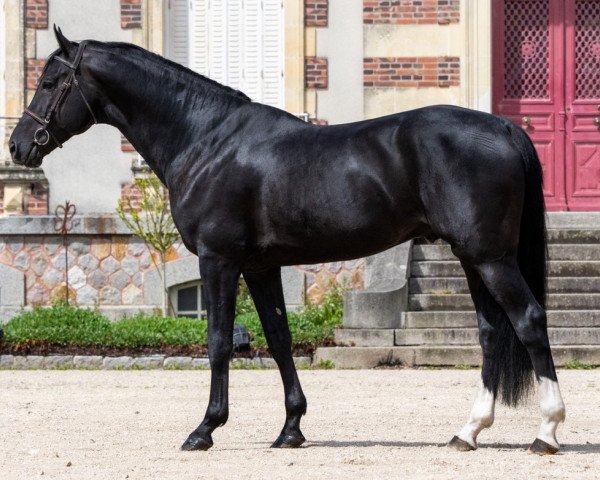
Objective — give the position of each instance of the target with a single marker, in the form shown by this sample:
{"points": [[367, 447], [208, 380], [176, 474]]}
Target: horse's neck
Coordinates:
{"points": [[161, 112]]}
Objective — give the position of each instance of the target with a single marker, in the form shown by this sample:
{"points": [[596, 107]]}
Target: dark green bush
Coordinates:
{"points": [[60, 324]]}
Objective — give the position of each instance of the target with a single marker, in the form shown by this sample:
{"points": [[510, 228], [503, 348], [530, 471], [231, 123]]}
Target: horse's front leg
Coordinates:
{"points": [[267, 294], [220, 279]]}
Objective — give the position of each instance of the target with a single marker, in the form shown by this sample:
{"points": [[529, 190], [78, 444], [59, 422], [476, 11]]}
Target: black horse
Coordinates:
{"points": [[254, 188]]}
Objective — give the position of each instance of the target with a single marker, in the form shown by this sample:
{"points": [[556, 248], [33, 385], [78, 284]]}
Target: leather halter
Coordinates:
{"points": [[43, 134]]}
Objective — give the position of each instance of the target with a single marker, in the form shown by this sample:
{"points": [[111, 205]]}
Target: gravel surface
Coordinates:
{"points": [[360, 424]]}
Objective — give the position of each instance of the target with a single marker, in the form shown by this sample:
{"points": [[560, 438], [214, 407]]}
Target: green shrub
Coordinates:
{"points": [[153, 331], [61, 324]]}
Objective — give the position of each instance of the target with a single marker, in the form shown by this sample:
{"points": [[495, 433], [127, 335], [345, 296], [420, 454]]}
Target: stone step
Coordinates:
{"points": [[462, 319], [573, 252], [561, 236], [470, 336], [448, 285], [556, 301], [449, 268], [439, 356]]}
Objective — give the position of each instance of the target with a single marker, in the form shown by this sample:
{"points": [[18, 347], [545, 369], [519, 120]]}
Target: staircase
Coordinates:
{"points": [[440, 309], [440, 326]]}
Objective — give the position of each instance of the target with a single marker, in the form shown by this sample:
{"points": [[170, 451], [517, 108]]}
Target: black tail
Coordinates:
{"points": [[512, 375]]}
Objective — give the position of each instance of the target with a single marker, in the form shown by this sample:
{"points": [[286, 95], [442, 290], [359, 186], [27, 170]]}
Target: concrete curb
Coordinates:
{"points": [[148, 362]]}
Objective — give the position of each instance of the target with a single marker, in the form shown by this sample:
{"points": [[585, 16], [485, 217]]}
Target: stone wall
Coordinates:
{"points": [[110, 269]]}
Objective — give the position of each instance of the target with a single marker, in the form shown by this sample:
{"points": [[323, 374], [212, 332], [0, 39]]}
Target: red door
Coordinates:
{"points": [[546, 72]]}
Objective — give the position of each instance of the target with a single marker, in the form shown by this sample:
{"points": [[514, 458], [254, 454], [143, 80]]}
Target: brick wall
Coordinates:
{"points": [[316, 72], [126, 146], [37, 200], [412, 72], [411, 11], [36, 13], [33, 70], [316, 13], [130, 195], [131, 13]]}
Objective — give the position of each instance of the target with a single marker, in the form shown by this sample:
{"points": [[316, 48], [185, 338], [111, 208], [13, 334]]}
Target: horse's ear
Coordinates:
{"points": [[63, 42]]}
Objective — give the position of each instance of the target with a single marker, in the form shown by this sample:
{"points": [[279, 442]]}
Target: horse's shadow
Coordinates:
{"points": [[582, 448]]}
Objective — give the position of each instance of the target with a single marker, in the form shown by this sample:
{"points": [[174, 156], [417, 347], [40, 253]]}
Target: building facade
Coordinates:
{"points": [[329, 61]]}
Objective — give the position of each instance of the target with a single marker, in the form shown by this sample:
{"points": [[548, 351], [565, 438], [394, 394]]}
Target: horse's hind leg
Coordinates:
{"points": [[221, 280], [482, 413], [267, 292], [508, 287]]}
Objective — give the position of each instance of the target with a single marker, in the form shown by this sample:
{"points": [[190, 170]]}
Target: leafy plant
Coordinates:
{"points": [[152, 222], [575, 364]]}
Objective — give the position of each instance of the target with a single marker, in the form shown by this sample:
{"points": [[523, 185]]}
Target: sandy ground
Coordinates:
{"points": [[360, 424]]}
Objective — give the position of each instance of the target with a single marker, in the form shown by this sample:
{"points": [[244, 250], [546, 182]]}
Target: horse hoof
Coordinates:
{"points": [[289, 441], [539, 447], [460, 445], [197, 442]]}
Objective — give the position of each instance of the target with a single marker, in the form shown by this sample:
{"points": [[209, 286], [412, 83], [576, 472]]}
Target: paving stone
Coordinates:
{"points": [[120, 279], [110, 296], [22, 260], [302, 361], [87, 295], [132, 295], [81, 246], [39, 264], [52, 277], [7, 361], [109, 265], [117, 363], [130, 265], [15, 244], [178, 362], [201, 363], [88, 361], [97, 279], [58, 261], [77, 277], [263, 362], [20, 362], [58, 361], [35, 361], [88, 263], [100, 249], [52, 244], [150, 361], [136, 247]]}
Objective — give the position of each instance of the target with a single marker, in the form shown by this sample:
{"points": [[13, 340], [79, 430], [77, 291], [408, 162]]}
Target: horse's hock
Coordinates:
{"points": [[416, 308]]}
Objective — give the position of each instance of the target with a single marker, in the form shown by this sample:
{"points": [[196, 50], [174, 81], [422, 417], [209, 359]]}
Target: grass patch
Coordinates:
{"points": [[576, 364]]}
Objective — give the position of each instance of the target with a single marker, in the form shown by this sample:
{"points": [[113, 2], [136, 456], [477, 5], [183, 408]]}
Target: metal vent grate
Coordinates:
{"points": [[526, 38], [587, 49]]}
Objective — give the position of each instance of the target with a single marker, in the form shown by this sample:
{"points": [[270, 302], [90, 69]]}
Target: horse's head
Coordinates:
{"points": [[59, 108]]}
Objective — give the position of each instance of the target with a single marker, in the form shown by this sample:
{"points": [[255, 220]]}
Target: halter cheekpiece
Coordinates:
{"points": [[43, 134]]}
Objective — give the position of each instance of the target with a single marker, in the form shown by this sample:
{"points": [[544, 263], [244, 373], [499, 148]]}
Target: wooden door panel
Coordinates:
{"points": [[582, 96], [529, 83]]}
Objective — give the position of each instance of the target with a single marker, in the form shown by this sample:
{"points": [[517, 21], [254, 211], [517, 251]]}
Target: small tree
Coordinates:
{"points": [[151, 221]]}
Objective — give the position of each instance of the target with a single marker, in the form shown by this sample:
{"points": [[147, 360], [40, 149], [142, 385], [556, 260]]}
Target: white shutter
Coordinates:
{"points": [[252, 52], [198, 36], [272, 48], [178, 31], [217, 40], [235, 10]]}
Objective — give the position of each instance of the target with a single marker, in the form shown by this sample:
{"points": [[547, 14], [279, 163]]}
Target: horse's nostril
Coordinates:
{"points": [[12, 146]]}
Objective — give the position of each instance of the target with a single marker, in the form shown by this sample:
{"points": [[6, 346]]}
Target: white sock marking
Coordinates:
{"points": [[553, 410], [482, 416]]}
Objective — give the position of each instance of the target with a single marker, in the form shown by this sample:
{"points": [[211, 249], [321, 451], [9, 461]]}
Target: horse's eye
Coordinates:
{"points": [[47, 84]]}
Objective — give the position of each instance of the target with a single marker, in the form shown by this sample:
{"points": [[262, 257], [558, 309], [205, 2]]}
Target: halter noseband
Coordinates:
{"points": [[43, 134]]}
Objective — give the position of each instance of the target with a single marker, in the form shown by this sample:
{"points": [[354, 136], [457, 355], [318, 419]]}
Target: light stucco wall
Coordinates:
{"points": [[90, 169], [342, 44]]}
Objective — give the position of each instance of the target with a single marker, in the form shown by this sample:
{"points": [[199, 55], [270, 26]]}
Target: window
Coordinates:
{"points": [[238, 43], [188, 300]]}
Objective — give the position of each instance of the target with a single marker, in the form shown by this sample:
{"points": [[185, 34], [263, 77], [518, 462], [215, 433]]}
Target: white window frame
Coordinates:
{"points": [[173, 292]]}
